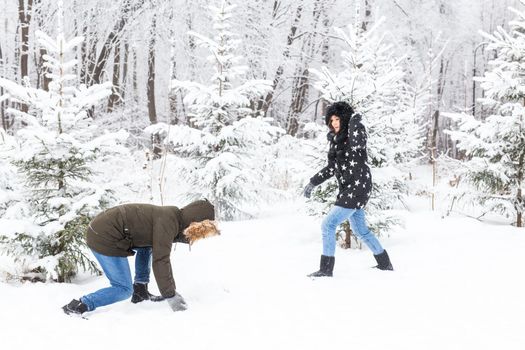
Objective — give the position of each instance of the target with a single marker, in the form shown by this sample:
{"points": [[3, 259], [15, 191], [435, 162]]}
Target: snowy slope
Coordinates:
{"points": [[458, 284]]}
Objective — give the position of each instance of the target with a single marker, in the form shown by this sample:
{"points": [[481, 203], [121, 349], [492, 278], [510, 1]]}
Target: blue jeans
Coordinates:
{"points": [[142, 264], [116, 269], [337, 216]]}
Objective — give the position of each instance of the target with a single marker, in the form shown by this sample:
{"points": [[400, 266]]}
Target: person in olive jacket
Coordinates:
{"points": [[347, 160], [149, 231]]}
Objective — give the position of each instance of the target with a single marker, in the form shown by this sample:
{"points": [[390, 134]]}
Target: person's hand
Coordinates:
{"points": [[177, 302], [307, 192]]}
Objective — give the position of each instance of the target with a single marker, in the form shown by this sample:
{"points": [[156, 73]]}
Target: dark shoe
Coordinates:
{"points": [[383, 261], [75, 307], [140, 293], [326, 267]]}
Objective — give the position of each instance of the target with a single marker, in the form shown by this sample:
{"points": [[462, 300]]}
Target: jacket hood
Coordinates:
{"points": [[341, 109], [197, 211]]}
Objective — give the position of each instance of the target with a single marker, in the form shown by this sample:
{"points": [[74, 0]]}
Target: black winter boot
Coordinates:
{"points": [[140, 293], [326, 267], [383, 261], [75, 307]]}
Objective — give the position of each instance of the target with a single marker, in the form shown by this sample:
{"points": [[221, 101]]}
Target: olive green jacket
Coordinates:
{"points": [[116, 231]]}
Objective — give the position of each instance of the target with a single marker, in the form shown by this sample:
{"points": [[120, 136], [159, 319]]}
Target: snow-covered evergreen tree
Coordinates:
{"points": [[496, 147], [227, 135], [9, 186], [372, 82], [56, 148]]}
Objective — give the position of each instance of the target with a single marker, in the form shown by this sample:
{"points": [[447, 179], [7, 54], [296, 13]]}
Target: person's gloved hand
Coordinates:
{"points": [[177, 302], [307, 192]]}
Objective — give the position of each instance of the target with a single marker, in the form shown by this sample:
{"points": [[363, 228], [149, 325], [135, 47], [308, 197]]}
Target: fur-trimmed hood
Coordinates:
{"points": [[341, 109], [196, 222]]}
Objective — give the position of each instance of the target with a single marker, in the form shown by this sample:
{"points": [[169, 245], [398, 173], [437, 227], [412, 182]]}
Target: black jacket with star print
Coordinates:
{"points": [[347, 160]]}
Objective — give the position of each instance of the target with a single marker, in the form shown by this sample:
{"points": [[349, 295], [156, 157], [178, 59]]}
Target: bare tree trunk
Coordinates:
{"points": [[348, 235], [519, 195], [286, 56], [436, 130], [100, 64], [172, 96], [83, 55], [519, 219], [92, 60], [151, 74], [114, 98], [16, 44], [112, 41], [45, 79], [2, 105], [368, 15], [191, 43], [124, 70], [42, 79], [24, 16], [88, 77], [299, 94], [87, 52], [152, 112], [325, 49], [443, 68], [135, 75], [191, 46], [96, 67], [300, 82], [519, 199]]}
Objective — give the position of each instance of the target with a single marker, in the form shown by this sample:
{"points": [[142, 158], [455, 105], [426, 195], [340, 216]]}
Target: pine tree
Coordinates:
{"points": [[227, 134], [9, 186], [57, 147], [372, 81], [495, 148]]}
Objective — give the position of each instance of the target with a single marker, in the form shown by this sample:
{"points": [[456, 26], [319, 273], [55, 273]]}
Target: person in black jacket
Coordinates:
{"points": [[347, 160]]}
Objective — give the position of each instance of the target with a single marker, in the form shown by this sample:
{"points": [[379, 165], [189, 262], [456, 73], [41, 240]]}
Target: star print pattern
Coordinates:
{"points": [[347, 160]]}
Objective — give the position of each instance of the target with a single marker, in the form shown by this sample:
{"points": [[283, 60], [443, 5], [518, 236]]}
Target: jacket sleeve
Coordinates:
{"points": [[161, 251], [325, 173], [357, 137]]}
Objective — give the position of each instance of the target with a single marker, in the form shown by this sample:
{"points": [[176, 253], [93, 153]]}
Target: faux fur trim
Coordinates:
{"points": [[200, 230]]}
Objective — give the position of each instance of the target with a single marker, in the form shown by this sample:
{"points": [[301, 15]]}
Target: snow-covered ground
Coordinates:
{"points": [[458, 284]]}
